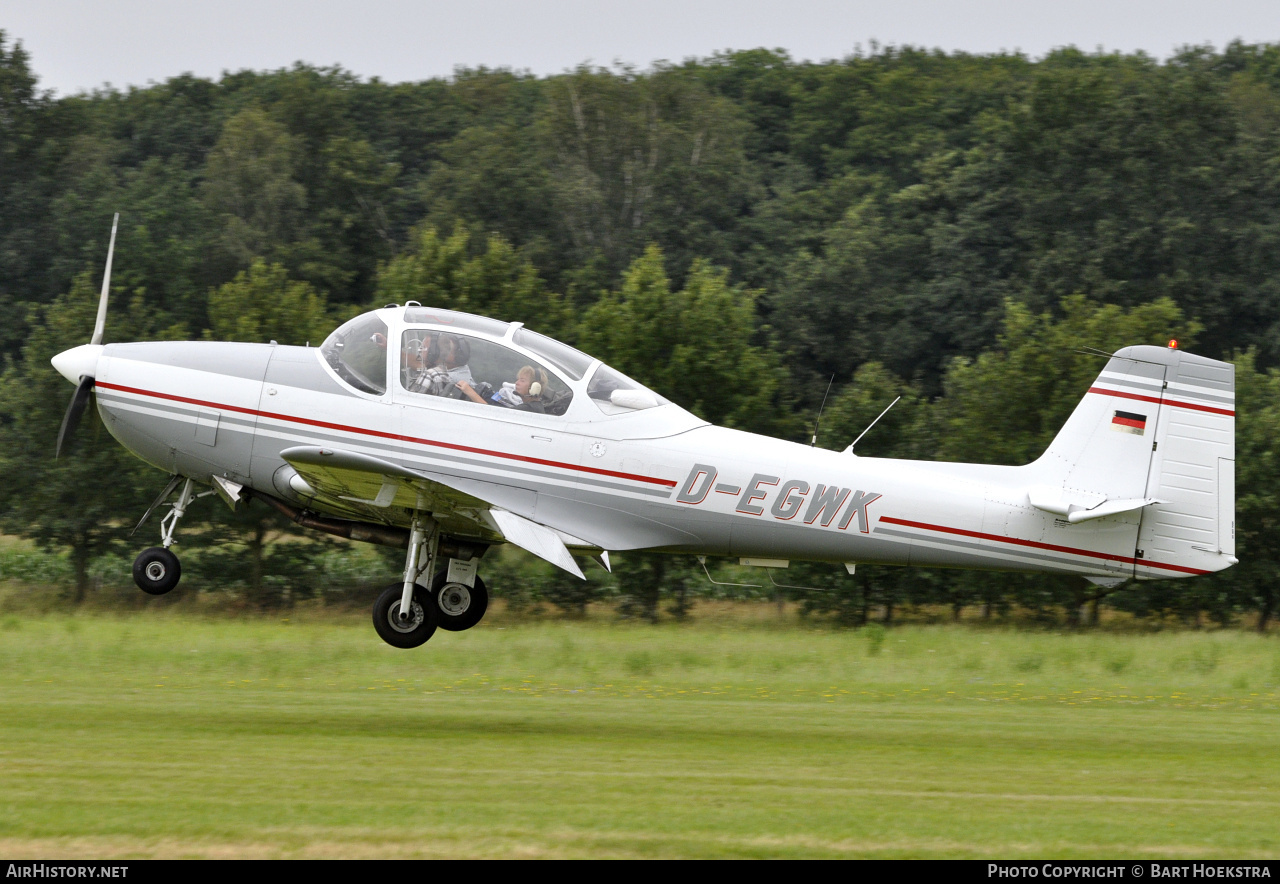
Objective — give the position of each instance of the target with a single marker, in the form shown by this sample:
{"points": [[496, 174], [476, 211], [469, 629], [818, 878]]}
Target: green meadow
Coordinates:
{"points": [[168, 734]]}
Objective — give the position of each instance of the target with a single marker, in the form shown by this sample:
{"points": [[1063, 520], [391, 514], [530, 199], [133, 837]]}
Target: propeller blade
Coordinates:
{"points": [[74, 412], [100, 325]]}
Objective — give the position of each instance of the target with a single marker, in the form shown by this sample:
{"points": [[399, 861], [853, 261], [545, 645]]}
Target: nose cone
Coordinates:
{"points": [[78, 362]]}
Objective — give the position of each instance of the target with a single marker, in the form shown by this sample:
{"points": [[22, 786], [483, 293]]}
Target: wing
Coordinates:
{"points": [[381, 491]]}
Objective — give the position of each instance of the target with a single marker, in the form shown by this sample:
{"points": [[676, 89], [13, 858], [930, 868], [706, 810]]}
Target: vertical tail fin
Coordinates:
{"points": [[1154, 438]]}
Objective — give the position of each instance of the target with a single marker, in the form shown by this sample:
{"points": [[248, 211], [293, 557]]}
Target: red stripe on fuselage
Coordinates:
{"points": [[1037, 545], [1158, 401], [667, 483]]}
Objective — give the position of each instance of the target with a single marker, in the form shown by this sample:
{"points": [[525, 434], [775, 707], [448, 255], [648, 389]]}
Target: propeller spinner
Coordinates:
{"points": [[80, 364]]}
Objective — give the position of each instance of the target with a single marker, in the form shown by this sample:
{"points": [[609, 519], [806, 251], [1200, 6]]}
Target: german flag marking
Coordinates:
{"points": [[1128, 422]]}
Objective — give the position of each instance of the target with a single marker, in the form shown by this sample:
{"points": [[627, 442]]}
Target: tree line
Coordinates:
{"points": [[737, 232]]}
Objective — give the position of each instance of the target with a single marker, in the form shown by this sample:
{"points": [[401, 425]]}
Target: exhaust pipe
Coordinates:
{"points": [[366, 532]]}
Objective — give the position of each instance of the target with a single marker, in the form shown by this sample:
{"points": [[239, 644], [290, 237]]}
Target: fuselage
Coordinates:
{"points": [[604, 476]]}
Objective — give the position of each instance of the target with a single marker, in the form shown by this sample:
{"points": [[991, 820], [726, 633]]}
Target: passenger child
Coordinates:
{"points": [[528, 386]]}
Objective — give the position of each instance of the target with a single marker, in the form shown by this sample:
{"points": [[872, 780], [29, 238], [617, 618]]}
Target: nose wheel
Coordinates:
{"points": [[156, 570]]}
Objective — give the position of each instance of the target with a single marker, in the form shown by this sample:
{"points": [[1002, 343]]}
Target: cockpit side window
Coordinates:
{"points": [[357, 352], [573, 362], [435, 363]]}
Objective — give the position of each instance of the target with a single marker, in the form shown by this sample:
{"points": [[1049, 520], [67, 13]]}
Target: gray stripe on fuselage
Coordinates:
{"points": [[542, 474], [421, 453], [164, 411], [991, 551], [181, 408], [309, 434]]}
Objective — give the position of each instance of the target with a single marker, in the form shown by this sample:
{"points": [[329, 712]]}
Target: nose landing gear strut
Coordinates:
{"points": [[156, 570]]}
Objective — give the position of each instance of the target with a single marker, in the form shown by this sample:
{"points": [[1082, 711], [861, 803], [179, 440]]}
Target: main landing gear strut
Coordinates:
{"points": [[407, 613], [402, 620]]}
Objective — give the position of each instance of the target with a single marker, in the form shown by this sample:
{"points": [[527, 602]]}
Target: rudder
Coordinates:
{"points": [[1192, 471]]}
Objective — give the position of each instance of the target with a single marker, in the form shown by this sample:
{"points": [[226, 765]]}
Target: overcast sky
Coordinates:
{"points": [[77, 45]]}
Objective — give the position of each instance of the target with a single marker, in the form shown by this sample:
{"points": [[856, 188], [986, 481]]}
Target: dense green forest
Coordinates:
{"points": [[952, 228]]}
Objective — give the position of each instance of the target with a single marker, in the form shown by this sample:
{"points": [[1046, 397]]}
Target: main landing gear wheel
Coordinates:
{"points": [[156, 570], [459, 606], [404, 633]]}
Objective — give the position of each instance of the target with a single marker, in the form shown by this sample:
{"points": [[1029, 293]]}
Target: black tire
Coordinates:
{"points": [[458, 606], [393, 631], [156, 570]]}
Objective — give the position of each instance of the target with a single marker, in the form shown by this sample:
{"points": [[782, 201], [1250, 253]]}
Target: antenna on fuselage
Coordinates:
{"points": [[849, 450], [813, 442]]}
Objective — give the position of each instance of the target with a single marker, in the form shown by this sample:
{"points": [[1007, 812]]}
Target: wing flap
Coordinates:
{"points": [[582, 523], [543, 542], [371, 486], [374, 484]]}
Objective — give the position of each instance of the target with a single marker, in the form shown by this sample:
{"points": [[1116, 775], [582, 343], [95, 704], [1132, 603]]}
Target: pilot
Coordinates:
{"points": [[417, 355], [528, 386], [449, 373]]}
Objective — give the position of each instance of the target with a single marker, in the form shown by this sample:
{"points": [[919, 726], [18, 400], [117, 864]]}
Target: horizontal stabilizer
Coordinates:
{"points": [[1111, 508], [1063, 503], [540, 540], [1082, 506]]}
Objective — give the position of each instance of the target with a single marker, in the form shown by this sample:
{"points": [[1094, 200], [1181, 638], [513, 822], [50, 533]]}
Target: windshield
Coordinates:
{"points": [[606, 381], [357, 351]]}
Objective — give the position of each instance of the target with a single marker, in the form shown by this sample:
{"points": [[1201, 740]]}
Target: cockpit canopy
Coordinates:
{"points": [[357, 352], [472, 358]]}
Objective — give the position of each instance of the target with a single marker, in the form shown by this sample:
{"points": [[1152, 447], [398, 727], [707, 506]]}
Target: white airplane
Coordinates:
{"points": [[448, 433]]}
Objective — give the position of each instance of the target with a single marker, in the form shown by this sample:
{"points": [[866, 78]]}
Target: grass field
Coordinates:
{"points": [[162, 734]]}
